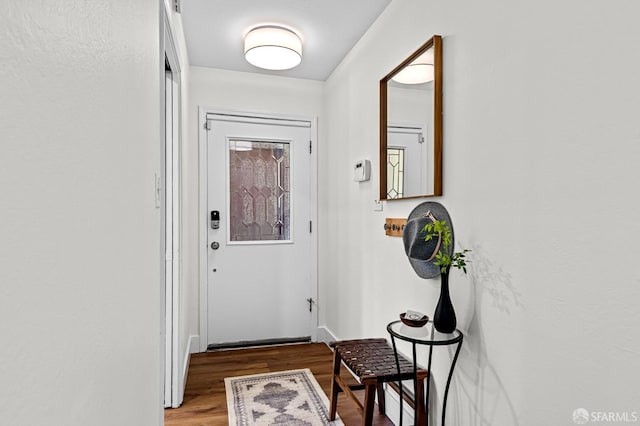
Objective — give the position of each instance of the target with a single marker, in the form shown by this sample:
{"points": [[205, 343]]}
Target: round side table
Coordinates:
{"points": [[427, 336]]}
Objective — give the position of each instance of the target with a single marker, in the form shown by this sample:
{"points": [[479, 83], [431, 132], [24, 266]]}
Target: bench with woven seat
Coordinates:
{"points": [[373, 362]]}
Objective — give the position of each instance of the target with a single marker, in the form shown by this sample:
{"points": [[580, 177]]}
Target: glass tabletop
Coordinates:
{"points": [[426, 334]]}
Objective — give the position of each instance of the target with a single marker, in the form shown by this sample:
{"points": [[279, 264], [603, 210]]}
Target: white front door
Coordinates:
{"points": [[259, 258]]}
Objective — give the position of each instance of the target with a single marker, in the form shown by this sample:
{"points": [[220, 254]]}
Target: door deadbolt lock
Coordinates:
{"points": [[215, 219], [215, 245]]}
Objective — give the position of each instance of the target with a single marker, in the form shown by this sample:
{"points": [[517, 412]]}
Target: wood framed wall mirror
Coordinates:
{"points": [[411, 125]]}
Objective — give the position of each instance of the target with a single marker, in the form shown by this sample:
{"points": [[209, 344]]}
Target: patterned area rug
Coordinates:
{"points": [[284, 398]]}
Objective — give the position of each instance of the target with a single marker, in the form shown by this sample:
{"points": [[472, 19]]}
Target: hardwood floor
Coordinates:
{"points": [[205, 399]]}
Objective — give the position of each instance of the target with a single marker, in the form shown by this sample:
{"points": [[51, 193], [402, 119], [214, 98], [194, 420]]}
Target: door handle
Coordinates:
{"points": [[311, 303], [215, 245]]}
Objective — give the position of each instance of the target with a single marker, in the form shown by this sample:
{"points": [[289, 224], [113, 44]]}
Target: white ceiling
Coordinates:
{"points": [[214, 31]]}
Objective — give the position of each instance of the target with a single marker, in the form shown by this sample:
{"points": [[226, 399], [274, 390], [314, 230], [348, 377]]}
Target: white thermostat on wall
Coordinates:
{"points": [[362, 170]]}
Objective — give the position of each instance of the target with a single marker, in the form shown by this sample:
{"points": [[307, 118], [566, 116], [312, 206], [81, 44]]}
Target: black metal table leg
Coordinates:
{"points": [[446, 389], [413, 334]]}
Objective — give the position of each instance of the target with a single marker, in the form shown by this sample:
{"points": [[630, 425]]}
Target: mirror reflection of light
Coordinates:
{"points": [[419, 71], [414, 74]]}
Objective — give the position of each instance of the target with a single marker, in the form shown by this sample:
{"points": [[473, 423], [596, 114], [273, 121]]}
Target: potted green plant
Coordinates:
{"points": [[444, 318]]}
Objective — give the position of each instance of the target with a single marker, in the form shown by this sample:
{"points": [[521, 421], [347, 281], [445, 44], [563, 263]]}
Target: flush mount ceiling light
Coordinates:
{"points": [[272, 47], [418, 72]]}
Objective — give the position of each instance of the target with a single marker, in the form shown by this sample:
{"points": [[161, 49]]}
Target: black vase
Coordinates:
{"points": [[444, 319]]}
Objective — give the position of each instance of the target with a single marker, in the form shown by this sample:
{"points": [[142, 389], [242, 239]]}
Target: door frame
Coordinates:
{"points": [[204, 217], [170, 198]]}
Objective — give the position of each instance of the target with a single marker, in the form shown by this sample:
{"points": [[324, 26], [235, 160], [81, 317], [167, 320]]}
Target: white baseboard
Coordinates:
{"points": [[324, 335], [194, 343], [202, 346], [193, 346], [392, 401]]}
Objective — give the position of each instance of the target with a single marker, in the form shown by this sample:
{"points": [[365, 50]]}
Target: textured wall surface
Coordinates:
{"points": [[79, 258]]}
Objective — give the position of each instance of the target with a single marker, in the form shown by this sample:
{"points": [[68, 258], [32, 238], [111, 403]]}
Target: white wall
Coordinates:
{"points": [[541, 146], [234, 91], [80, 251]]}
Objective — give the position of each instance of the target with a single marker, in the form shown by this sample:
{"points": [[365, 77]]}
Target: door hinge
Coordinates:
{"points": [[310, 226], [207, 125], [177, 6], [310, 145]]}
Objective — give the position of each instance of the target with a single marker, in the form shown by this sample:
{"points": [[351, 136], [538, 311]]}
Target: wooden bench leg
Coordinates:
{"points": [[369, 400], [381, 406], [420, 403], [335, 387]]}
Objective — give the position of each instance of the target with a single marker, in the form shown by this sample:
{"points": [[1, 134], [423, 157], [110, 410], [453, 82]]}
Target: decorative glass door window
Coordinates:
{"points": [[395, 172], [259, 193]]}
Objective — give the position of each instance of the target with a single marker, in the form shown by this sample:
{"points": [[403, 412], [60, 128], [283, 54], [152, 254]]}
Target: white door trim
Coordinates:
{"points": [[204, 221], [173, 378]]}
